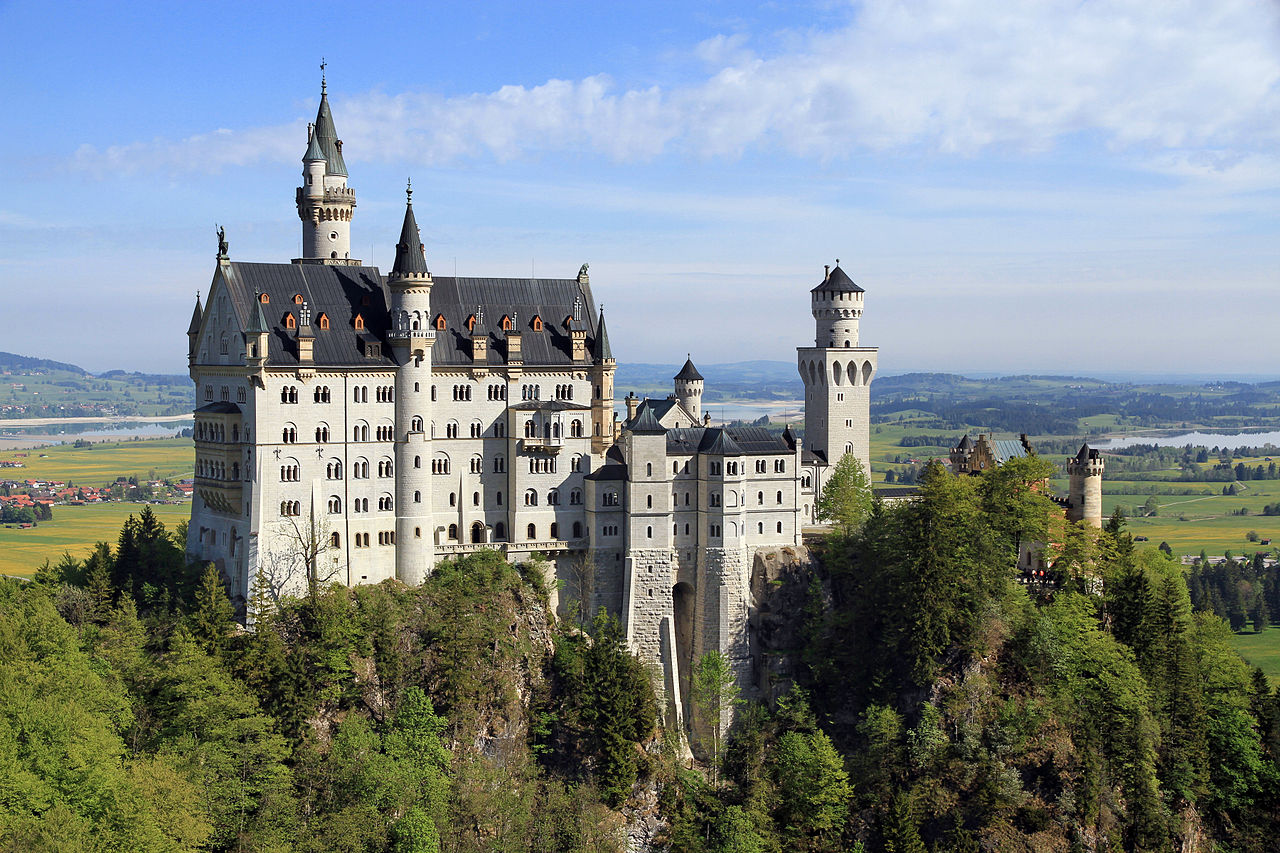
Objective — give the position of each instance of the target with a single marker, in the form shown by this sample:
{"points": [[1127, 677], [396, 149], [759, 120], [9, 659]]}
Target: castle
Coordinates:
{"points": [[353, 427]]}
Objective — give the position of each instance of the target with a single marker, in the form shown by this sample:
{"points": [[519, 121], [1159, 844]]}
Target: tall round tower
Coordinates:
{"points": [[411, 337], [325, 202], [1084, 492], [837, 372], [689, 390]]}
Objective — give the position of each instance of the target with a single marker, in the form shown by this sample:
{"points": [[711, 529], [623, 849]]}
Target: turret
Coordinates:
{"points": [[836, 304], [689, 390], [1084, 491], [837, 372], [256, 336], [411, 337], [603, 368], [193, 330], [325, 202]]}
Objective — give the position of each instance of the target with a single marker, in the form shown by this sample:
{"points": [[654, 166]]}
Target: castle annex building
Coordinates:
{"points": [[354, 426]]}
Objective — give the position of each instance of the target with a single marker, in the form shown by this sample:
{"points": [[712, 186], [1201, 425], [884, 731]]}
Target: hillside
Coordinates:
{"points": [[40, 388]]}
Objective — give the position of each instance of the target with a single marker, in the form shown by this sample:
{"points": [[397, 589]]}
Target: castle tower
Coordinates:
{"points": [[411, 337], [602, 370], [689, 390], [1084, 491], [325, 202], [837, 373]]}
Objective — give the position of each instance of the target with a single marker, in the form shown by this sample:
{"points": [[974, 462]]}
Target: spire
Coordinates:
{"points": [[258, 325], [410, 256], [196, 316], [313, 146], [326, 137], [689, 373], [603, 350]]}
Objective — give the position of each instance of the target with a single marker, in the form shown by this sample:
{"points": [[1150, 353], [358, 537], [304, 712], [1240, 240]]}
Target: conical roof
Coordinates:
{"points": [[644, 423], [313, 146], [409, 252], [965, 443], [327, 138], [1086, 453], [689, 373], [603, 350], [837, 281], [196, 316], [258, 324]]}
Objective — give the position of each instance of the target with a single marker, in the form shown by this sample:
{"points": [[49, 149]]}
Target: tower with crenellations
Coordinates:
{"points": [[1084, 490]]}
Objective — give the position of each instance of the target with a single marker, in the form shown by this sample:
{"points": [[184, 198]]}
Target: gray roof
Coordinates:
{"points": [[313, 146], [608, 472], [1086, 453], [342, 292], [965, 443], [259, 322], [549, 299], [339, 293], [726, 441], [409, 251], [602, 350], [549, 406], [689, 373], [659, 408], [327, 137], [837, 282], [644, 423], [196, 316], [1007, 448]]}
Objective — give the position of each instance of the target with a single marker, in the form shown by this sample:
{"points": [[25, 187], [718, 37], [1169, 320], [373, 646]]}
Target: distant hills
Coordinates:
{"points": [[14, 363]]}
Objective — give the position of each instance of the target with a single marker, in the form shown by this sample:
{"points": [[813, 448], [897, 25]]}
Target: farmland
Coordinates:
{"points": [[74, 530]]}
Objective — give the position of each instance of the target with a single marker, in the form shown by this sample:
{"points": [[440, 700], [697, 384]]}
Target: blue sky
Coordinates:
{"points": [[1020, 187]]}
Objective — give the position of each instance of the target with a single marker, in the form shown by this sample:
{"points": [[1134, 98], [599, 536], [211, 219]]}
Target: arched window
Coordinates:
{"points": [[533, 532], [499, 532], [264, 298], [648, 469], [417, 497], [477, 533], [779, 497], [453, 532], [537, 323], [530, 498], [577, 530], [335, 540], [359, 323], [575, 429], [324, 321], [335, 505], [555, 530], [440, 323], [417, 423], [290, 322]]}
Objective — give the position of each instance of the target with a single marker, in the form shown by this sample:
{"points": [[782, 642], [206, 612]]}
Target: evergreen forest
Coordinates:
{"points": [[930, 700]]}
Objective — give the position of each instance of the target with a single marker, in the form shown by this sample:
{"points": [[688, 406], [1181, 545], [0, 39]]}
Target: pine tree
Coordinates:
{"points": [[213, 617]]}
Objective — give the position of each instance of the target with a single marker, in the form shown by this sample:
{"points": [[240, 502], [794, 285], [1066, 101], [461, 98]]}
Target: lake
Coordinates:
{"points": [[1205, 439]]}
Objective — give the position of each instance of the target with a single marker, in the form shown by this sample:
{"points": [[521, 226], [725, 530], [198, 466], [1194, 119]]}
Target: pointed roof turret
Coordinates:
{"points": [[196, 316], [689, 373], [313, 146], [603, 350], [258, 325], [1086, 453], [410, 254], [645, 423], [326, 137], [965, 443], [838, 281]]}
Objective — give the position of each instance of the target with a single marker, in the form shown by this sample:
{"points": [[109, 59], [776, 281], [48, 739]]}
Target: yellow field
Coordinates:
{"points": [[101, 464], [74, 529]]}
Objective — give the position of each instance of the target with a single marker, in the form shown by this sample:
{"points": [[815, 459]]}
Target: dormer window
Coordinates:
{"points": [[471, 323], [372, 349], [359, 323], [297, 299], [440, 323], [506, 323], [537, 323], [264, 298], [323, 321], [290, 322]]}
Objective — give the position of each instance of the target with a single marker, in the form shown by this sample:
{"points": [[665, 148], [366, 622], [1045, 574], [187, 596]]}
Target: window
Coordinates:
{"points": [[533, 531], [554, 533], [577, 530], [359, 323], [537, 323], [759, 498], [476, 429], [715, 499], [553, 499], [322, 434], [241, 395], [760, 527], [575, 497], [779, 497], [440, 322], [530, 498], [335, 540], [648, 469], [453, 532], [779, 526], [475, 499], [290, 473], [499, 464], [453, 499], [417, 462], [264, 298], [333, 471], [440, 464], [499, 532], [289, 394], [385, 503], [477, 464], [780, 466], [290, 322], [335, 505], [451, 429], [289, 435], [609, 498], [649, 502], [323, 320], [433, 393], [648, 533], [417, 497], [416, 424]]}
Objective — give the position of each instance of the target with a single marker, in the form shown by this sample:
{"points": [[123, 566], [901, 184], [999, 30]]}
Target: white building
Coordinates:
{"points": [[356, 427]]}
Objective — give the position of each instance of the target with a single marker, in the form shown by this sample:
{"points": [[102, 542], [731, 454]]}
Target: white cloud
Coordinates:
{"points": [[946, 76]]}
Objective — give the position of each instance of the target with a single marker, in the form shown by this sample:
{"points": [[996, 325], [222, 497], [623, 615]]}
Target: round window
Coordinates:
{"points": [[333, 235]]}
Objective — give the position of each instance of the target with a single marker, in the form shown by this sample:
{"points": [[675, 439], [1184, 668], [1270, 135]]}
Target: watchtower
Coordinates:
{"points": [[1084, 491]]}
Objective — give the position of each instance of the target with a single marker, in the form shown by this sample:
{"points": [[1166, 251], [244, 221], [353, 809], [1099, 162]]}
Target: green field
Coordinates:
{"points": [[1261, 650], [74, 529], [101, 464]]}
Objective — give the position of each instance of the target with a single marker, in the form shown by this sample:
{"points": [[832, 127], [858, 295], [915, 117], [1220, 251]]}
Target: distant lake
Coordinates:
{"points": [[1206, 439], [99, 430]]}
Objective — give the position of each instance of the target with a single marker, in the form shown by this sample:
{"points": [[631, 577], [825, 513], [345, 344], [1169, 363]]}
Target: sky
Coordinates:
{"points": [[1046, 187]]}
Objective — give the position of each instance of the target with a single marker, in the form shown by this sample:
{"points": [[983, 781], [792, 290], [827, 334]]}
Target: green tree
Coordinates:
{"points": [[213, 617], [846, 496], [813, 789], [714, 691]]}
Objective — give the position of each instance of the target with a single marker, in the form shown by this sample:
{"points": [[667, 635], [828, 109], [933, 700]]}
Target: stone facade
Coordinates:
{"points": [[356, 427]]}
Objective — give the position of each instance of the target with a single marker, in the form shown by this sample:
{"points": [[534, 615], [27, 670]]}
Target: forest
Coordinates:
{"points": [[938, 702]]}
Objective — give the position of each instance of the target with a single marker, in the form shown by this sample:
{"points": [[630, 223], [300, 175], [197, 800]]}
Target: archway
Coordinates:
{"points": [[682, 605]]}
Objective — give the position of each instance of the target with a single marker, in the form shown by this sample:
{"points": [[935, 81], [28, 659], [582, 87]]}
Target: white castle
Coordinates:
{"points": [[355, 427]]}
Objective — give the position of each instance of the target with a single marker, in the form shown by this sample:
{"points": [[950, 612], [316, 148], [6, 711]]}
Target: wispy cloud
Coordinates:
{"points": [[1181, 86]]}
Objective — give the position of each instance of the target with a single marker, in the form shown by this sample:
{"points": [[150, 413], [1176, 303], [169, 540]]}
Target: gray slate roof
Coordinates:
{"points": [[837, 282], [342, 292], [601, 349], [550, 299], [644, 423], [409, 251], [338, 292], [327, 138], [726, 441], [1006, 449], [689, 373], [608, 472], [196, 315], [218, 408]]}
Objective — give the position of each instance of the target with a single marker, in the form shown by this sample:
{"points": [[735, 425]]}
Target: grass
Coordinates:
{"points": [[75, 530], [101, 464], [1261, 650]]}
